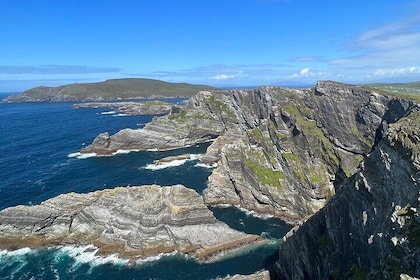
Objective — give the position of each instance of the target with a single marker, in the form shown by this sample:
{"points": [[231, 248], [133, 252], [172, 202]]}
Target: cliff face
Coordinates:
{"points": [[371, 228], [279, 151]]}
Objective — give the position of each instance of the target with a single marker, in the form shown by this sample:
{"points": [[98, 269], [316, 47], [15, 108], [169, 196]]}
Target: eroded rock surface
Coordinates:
{"points": [[135, 222], [133, 108], [371, 228], [278, 151]]}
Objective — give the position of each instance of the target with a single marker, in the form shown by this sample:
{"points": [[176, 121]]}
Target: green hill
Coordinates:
{"points": [[406, 90], [108, 90]]}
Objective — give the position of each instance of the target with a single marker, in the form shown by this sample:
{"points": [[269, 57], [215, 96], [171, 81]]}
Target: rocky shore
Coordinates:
{"points": [[134, 222], [133, 108]]}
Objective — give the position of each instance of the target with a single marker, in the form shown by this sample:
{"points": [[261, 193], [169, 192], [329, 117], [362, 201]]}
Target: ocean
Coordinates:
{"points": [[39, 160]]}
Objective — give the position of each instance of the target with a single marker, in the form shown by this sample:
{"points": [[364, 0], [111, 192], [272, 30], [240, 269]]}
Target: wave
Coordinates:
{"points": [[158, 257], [87, 255], [123, 152], [82, 156], [109, 113], [163, 163], [15, 253], [210, 166], [246, 211], [121, 115]]}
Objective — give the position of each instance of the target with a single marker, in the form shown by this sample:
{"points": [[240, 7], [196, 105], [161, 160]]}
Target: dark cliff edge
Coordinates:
{"points": [[371, 228]]}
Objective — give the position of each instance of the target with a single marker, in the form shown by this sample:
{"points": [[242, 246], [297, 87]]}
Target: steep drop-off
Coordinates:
{"points": [[371, 228], [278, 151]]}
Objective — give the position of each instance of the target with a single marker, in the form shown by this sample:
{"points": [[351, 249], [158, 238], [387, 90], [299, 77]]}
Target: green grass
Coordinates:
{"points": [[311, 130], [265, 175], [117, 89], [404, 90]]}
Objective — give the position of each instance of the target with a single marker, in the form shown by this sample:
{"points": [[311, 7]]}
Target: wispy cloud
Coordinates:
{"points": [[315, 73], [397, 71], [308, 59], [56, 69], [388, 50], [220, 73], [228, 77]]}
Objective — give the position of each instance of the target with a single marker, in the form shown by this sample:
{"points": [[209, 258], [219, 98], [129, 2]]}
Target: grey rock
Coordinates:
{"points": [[370, 228], [134, 222], [278, 151], [133, 108]]}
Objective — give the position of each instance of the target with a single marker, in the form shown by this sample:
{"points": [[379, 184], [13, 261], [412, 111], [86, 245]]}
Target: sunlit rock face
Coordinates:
{"points": [[278, 151], [133, 222], [371, 228]]}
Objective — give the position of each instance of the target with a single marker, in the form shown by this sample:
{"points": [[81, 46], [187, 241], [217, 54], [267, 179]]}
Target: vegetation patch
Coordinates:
{"points": [[312, 131], [265, 175]]}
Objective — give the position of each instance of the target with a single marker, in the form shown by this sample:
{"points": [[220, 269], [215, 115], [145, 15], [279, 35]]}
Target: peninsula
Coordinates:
{"points": [[114, 89]]}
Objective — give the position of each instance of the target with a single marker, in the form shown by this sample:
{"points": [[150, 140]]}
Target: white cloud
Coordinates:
{"points": [[397, 71], [304, 72], [228, 77], [392, 46], [316, 73]]}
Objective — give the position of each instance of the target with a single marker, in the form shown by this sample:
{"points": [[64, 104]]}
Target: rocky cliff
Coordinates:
{"points": [[371, 228], [279, 151], [134, 222], [340, 162]]}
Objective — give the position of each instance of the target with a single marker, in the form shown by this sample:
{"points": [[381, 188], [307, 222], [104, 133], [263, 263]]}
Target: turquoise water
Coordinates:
{"points": [[35, 144]]}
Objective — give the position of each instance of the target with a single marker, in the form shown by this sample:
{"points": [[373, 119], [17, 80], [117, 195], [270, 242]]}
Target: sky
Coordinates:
{"points": [[223, 43]]}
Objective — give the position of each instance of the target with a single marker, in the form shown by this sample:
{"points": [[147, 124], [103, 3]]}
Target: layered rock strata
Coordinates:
{"points": [[371, 228], [134, 222], [133, 108], [278, 151]]}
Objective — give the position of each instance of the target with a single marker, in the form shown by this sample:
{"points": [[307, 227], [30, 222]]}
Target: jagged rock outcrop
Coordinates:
{"points": [[279, 151], [134, 222], [179, 129], [371, 228], [133, 108]]}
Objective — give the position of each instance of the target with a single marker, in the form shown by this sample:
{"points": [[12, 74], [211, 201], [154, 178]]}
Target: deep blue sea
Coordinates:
{"points": [[38, 160]]}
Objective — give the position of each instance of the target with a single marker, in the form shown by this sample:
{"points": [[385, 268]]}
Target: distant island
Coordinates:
{"points": [[114, 89]]}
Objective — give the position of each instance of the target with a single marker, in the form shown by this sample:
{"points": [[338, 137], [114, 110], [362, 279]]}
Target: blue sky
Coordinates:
{"points": [[217, 42]]}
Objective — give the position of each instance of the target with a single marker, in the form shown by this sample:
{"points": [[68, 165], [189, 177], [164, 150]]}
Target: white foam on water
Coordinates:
{"points": [[246, 211], [156, 258], [123, 152], [154, 166], [15, 253], [177, 162], [87, 255], [79, 155], [16, 259], [108, 113], [209, 166], [121, 115]]}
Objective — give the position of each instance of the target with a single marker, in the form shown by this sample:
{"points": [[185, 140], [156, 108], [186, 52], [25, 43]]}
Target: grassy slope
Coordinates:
{"points": [[406, 90], [119, 88]]}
